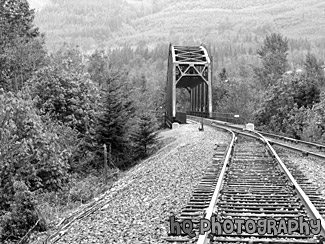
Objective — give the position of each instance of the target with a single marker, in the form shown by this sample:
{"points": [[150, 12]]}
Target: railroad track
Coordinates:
{"points": [[317, 146], [297, 146], [251, 185]]}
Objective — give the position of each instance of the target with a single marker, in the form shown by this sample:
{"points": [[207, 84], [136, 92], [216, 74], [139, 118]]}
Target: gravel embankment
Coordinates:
{"points": [[313, 169], [152, 191], [300, 146]]}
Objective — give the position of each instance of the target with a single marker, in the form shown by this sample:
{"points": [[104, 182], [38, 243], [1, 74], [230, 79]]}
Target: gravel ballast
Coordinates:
{"points": [[313, 169], [150, 193]]}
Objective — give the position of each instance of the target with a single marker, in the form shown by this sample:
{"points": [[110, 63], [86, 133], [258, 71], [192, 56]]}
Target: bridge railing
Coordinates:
{"points": [[199, 114], [226, 117]]}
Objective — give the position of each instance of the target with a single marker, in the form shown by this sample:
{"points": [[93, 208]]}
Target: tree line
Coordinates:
{"points": [[276, 97], [57, 111]]}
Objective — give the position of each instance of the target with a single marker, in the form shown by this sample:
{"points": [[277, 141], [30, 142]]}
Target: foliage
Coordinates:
{"points": [[315, 125], [103, 24], [283, 100], [273, 55], [68, 97], [312, 130], [314, 72], [306, 93], [144, 133], [287, 105], [113, 118], [99, 67], [307, 123], [69, 59], [23, 214], [16, 20], [34, 150], [223, 75], [235, 96], [21, 47]]}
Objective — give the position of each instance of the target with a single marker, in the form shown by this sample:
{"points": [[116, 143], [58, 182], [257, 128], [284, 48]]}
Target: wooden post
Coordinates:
{"points": [[110, 154], [105, 163], [201, 128]]}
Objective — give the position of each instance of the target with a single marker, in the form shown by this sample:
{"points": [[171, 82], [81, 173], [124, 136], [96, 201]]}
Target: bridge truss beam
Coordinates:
{"points": [[189, 67]]}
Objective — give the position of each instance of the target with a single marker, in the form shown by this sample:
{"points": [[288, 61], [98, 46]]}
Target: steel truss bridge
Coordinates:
{"points": [[189, 67]]}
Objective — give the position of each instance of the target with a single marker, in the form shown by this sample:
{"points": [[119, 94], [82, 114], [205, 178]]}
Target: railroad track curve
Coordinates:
{"points": [[306, 148], [249, 196]]}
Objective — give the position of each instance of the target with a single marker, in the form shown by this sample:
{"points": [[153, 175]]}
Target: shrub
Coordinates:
{"points": [[34, 155], [69, 97], [23, 214]]}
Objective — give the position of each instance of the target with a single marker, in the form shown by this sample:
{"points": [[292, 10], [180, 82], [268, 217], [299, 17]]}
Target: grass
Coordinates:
{"points": [[55, 206]]}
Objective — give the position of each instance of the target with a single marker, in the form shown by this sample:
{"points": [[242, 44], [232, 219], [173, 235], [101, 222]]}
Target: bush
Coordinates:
{"points": [[31, 150], [34, 155], [15, 223], [282, 99], [68, 97]]}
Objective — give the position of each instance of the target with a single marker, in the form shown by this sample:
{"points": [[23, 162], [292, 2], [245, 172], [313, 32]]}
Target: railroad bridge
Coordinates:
{"points": [[189, 67]]}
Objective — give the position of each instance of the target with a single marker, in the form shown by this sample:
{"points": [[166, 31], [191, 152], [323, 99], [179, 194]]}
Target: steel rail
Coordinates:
{"points": [[307, 143], [240, 129], [203, 239], [311, 209], [295, 149], [285, 138]]}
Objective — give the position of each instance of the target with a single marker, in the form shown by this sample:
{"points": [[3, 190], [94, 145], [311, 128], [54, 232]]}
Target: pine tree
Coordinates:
{"points": [[16, 21], [223, 75], [21, 45], [98, 67], [112, 122], [314, 70], [144, 133], [273, 55]]}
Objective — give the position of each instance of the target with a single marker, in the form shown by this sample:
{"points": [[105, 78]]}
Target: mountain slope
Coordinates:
{"points": [[107, 23]]}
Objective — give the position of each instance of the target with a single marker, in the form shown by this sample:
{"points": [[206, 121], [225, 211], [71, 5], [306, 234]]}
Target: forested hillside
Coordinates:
{"points": [[69, 124], [107, 23], [232, 30], [84, 103]]}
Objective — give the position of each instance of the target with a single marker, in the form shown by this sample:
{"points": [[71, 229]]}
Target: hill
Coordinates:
{"points": [[109, 23]]}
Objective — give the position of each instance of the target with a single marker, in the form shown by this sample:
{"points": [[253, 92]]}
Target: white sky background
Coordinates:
{"points": [[38, 4]]}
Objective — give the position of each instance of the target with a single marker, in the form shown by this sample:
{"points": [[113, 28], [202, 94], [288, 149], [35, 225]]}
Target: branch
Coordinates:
{"points": [[28, 232]]}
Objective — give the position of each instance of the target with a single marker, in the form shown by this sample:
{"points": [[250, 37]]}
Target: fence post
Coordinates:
{"points": [[105, 163], [110, 155], [202, 129]]}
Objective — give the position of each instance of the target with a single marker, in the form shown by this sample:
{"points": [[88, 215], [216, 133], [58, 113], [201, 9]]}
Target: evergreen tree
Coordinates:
{"points": [[99, 67], [112, 122], [144, 133], [16, 21], [223, 75], [69, 59], [21, 46], [273, 55], [314, 70]]}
